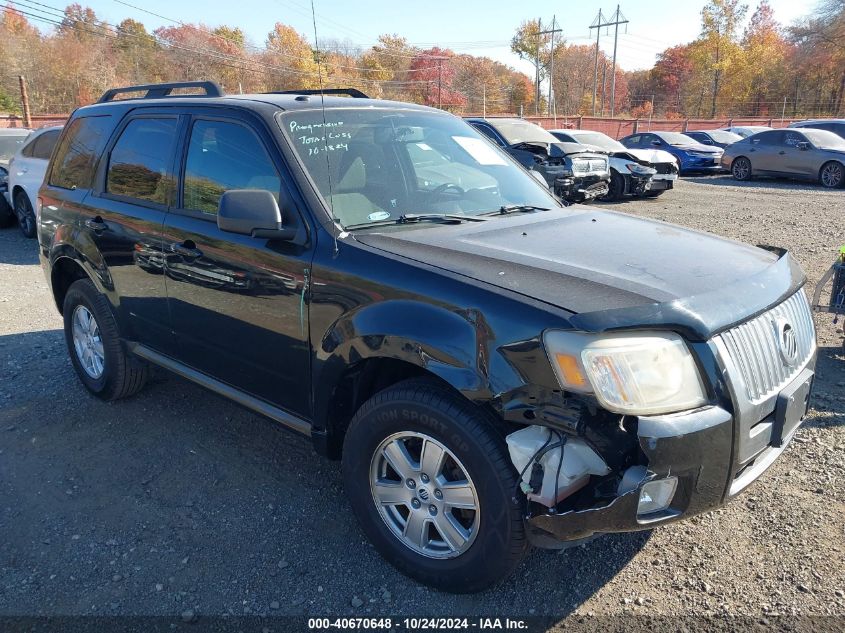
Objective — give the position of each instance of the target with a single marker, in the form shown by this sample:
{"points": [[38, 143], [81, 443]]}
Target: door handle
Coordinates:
{"points": [[781, 152], [96, 224], [186, 249], [752, 150]]}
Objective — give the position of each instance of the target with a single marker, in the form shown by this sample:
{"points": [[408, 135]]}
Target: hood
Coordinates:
{"points": [[652, 155], [558, 150], [593, 262]]}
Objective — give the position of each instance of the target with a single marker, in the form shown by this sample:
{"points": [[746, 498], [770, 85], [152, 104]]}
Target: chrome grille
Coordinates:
{"points": [[591, 165], [754, 347]]}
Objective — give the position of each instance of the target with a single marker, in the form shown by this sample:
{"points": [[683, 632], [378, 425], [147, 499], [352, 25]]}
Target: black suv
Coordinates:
{"points": [[493, 369]]}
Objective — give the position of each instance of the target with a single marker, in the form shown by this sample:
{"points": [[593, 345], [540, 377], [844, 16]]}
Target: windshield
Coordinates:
{"points": [[676, 138], [9, 144], [516, 131], [824, 139], [602, 141], [376, 165], [723, 136]]}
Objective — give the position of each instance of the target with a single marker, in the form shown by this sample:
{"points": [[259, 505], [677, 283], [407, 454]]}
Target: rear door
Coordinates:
{"points": [[237, 303], [122, 221]]}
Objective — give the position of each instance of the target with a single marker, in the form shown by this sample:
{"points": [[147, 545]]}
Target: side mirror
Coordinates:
{"points": [[252, 212], [803, 146], [657, 142]]}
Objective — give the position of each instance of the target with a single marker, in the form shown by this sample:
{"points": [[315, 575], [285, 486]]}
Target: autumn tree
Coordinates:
{"points": [[290, 59], [720, 20], [434, 77], [530, 44]]}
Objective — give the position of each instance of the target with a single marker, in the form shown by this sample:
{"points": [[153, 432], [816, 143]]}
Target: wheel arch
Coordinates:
{"points": [[387, 342], [67, 266]]}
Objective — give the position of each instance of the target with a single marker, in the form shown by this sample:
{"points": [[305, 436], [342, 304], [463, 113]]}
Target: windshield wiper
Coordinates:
{"points": [[412, 218], [511, 208], [447, 218]]}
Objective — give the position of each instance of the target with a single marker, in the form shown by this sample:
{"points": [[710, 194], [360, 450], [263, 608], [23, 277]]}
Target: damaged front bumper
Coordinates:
{"points": [[581, 188], [702, 450]]}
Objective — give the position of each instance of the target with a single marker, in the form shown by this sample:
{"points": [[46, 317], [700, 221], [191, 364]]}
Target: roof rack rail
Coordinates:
{"points": [[351, 92], [156, 91]]}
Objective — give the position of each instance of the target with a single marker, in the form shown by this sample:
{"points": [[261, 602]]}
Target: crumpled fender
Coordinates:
{"points": [[449, 344]]}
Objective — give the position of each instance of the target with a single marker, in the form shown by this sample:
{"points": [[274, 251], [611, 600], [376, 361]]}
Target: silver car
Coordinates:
{"points": [[804, 153]]}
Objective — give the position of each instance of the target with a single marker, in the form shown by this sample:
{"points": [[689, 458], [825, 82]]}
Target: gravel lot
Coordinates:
{"points": [[177, 500]]}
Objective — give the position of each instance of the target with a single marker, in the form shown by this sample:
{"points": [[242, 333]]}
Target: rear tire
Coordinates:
{"points": [[97, 352], [741, 168], [25, 214], [407, 424], [832, 175]]}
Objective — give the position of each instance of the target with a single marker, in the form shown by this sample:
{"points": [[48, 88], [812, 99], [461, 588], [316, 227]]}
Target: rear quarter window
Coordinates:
{"points": [[73, 167], [43, 146]]}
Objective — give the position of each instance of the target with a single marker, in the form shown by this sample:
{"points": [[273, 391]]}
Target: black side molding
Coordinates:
{"points": [[227, 391], [157, 91]]}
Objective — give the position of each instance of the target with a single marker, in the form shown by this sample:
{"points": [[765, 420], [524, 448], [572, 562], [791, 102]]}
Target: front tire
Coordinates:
{"points": [[832, 175], [456, 528], [741, 168], [25, 214], [97, 352], [616, 190]]}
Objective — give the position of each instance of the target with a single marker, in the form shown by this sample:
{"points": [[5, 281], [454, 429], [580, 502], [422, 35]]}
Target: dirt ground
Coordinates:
{"points": [[177, 501]]}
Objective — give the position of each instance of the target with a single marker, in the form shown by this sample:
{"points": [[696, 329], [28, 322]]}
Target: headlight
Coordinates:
{"points": [[633, 373], [636, 168]]}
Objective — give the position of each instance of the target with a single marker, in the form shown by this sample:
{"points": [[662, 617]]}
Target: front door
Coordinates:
{"points": [[237, 303]]}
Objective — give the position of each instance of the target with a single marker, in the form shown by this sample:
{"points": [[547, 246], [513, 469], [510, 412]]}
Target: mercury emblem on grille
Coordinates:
{"points": [[787, 342]]}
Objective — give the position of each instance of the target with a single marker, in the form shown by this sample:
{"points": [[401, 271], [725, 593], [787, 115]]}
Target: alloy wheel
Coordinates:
{"points": [[741, 169], [425, 495], [832, 175], [25, 218], [87, 342]]}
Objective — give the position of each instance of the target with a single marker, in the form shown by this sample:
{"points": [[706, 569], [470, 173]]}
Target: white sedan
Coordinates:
{"points": [[26, 173]]}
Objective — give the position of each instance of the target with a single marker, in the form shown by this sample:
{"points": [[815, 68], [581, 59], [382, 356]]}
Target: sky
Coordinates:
{"points": [[479, 28]]}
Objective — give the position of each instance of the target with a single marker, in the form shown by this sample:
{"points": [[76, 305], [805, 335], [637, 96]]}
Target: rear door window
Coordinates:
{"points": [[77, 153], [224, 155], [141, 160]]}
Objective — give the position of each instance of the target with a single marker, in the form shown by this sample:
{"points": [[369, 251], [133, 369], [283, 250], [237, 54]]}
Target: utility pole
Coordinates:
{"points": [[551, 32], [615, 20], [27, 117], [537, 68], [597, 24], [440, 82]]}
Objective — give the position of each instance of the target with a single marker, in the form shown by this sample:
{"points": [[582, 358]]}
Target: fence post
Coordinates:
{"points": [[580, 120], [685, 127], [636, 126]]}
